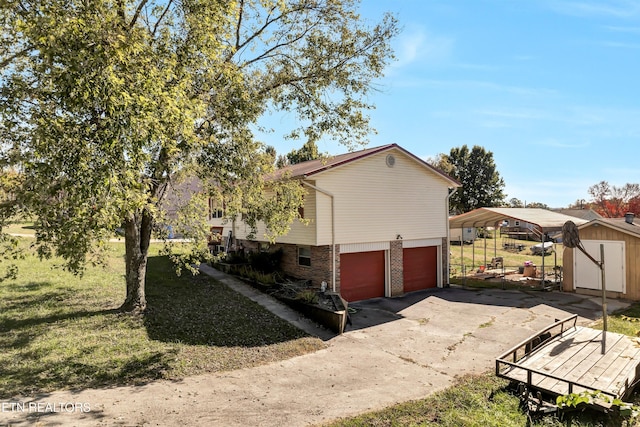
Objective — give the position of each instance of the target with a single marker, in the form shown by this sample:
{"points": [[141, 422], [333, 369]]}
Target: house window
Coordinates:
{"points": [[214, 210], [304, 255], [517, 223]]}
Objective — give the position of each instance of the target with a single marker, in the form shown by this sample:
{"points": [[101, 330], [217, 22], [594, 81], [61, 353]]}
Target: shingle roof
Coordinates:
{"points": [[587, 214], [311, 167], [616, 223]]}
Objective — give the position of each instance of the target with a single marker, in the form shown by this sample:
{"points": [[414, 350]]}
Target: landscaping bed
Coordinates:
{"points": [[325, 308]]}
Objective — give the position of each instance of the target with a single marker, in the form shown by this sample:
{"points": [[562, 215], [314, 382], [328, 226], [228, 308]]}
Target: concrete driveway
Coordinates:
{"points": [[395, 350]]}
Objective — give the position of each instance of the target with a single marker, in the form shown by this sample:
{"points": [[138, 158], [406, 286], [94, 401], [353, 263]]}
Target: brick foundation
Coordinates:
{"points": [[317, 272], [321, 267]]}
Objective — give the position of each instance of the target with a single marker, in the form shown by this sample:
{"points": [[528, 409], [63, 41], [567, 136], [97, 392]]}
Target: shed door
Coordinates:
{"points": [[420, 267], [362, 275], [587, 275]]}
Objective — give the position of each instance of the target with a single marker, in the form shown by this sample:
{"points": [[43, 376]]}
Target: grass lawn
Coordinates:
{"points": [[21, 228], [62, 331], [474, 401], [470, 257], [474, 255]]}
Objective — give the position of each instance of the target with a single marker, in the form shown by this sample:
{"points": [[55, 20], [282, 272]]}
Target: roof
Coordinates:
{"points": [[312, 167], [483, 217], [616, 223], [587, 214]]}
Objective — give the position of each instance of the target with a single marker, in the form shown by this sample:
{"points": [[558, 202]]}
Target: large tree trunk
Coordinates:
{"points": [[137, 229]]}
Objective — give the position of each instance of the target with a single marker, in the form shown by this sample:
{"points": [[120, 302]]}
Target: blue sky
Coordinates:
{"points": [[552, 88]]}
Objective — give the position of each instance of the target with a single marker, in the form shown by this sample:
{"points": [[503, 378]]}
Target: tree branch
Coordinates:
{"points": [[10, 59], [239, 25], [137, 13], [164, 12]]}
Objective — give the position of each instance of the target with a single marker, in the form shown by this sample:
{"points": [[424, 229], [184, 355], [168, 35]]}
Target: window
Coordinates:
{"points": [[214, 210], [304, 255], [517, 223]]}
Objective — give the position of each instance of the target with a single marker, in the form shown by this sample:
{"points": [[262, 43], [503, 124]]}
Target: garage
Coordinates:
{"points": [[362, 275], [420, 268]]}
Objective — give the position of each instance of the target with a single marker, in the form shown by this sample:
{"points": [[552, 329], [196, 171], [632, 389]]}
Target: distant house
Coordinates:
{"points": [[378, 223], [586, 214], [621, 240], [463, 235]]}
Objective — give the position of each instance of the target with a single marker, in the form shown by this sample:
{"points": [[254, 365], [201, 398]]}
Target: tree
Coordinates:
{"points": [[475, 169], [309, 151], [580, 204], [538, 205], [515, 203], [611, 201], [104, 104]]}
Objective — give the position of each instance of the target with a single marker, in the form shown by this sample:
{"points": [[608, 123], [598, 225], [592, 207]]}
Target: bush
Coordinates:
{"points": [[310, 296], [266, 262]]}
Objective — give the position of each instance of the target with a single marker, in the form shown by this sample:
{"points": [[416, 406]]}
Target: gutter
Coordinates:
{"points": [[333, 230]]}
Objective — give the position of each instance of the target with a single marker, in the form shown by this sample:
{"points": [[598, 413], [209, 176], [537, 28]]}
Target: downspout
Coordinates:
{"points": [[451, 191], [333, 231]]}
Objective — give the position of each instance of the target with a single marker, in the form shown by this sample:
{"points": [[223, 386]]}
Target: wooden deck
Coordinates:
{"points": [[565, 358]]}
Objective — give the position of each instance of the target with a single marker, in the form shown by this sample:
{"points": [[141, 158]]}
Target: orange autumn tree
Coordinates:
{"points": [[614, 202]]}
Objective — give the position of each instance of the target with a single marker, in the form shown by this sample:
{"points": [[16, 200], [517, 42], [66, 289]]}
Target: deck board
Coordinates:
{"points": [[576, 356]]}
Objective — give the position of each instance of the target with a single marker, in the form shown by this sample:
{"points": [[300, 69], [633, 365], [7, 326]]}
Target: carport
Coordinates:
{"points": [[541, 221]]}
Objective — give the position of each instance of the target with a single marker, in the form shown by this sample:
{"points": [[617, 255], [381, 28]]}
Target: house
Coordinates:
{"points": [[460, 235], [377, 224], [620, 238]]}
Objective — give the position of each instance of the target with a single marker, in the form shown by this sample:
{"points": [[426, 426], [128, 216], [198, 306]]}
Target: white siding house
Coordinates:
{"points": [[378, 224]]}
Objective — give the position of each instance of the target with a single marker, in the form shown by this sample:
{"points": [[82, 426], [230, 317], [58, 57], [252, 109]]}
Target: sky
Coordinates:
{"points": [[551, 88]]}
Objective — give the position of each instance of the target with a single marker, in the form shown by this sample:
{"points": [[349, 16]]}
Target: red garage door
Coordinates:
{"points": [[362, 275], [420, 268]]}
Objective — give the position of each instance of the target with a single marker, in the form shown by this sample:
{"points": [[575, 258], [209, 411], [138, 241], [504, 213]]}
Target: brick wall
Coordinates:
{"points": [[317, 272], [446, 258], [397, 270]]}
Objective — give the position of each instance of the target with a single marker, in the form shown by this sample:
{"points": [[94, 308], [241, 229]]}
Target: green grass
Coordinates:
{"points": [[473, 256], [22, 228], [625, 321], [474, 401], [60, 331]]}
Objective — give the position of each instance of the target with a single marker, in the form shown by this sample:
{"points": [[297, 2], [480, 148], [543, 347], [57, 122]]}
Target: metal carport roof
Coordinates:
{"points": [[491, 217]]}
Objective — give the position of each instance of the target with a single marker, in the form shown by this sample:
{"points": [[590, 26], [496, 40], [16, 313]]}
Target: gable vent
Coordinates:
{"points": [[390, 160]]}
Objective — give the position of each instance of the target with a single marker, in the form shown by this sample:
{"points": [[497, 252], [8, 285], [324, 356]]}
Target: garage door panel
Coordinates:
{"points": [[362, 275], [420, 268]]}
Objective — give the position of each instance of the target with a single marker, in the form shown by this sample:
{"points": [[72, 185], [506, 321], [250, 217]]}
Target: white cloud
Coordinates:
{"points": [[610, 8], [556, 143], [628, 30], [416, 45], [620, 45], [477, 84]]}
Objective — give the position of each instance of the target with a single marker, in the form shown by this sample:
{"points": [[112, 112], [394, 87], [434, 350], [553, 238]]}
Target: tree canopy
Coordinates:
{"points": [[309, 151], [611, 201], [105, 102], [482, 185]]}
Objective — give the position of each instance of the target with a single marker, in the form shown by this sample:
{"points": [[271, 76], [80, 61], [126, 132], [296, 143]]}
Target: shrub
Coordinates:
{"points": [[266, 262], [310, 296]]}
